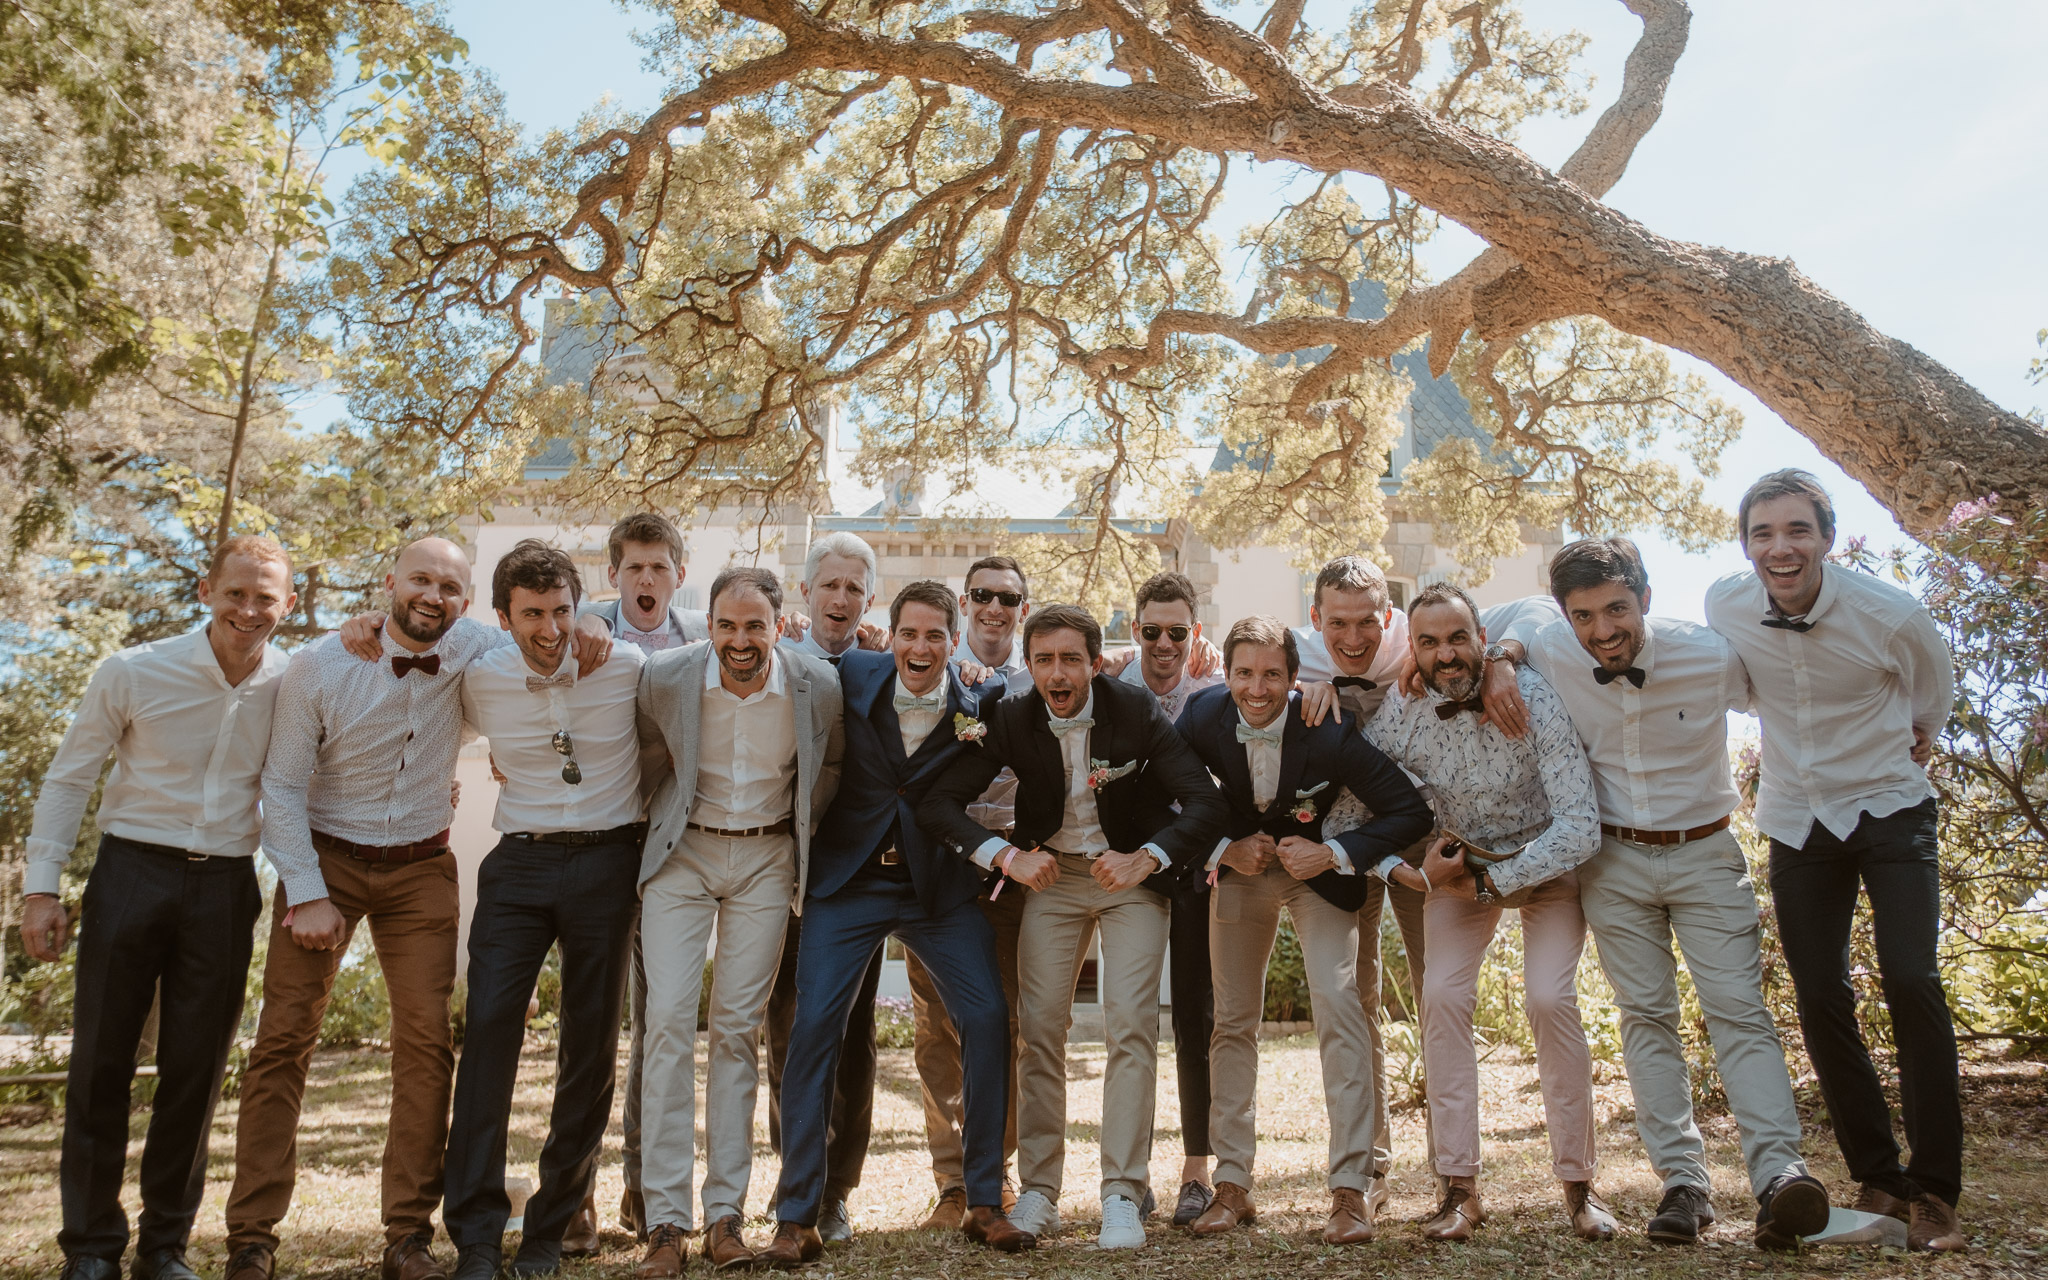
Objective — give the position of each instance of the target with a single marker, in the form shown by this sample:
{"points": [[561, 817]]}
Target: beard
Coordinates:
{"points": [[418, 629], [743, 672], [1455, 681]]}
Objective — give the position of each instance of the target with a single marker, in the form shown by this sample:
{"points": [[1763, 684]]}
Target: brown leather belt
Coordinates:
{"points": [[890, 857], [418, 851], [1634, 836], [781, 828]]}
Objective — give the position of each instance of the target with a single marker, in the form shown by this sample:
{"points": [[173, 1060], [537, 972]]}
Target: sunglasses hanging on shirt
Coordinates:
{"points": [[1150, 632], [565, 746]]}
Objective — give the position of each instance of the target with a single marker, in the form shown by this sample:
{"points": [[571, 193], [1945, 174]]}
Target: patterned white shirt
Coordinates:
{"points": [[1501, 792], [361, 753]]}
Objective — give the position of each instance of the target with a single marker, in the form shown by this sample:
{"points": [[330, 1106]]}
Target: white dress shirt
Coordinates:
{"points": [[809, 646], [1840, 701], [746, 753], [917, 722], [188, 750], [361, 753], [1081, 822], [1659, 753], [597, 712], [1262, 758], [1174, 700], [996, 808], [1359, 703]]}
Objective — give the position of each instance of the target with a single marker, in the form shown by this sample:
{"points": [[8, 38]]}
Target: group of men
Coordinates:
{"points": [[786, 791]]}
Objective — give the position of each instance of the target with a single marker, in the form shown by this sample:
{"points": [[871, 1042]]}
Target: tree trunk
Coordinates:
{"points": [[224, 528]]}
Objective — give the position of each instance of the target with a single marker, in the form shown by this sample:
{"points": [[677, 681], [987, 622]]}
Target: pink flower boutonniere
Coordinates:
{"points": [[1100, 774], [967, 728], [1305, 804]]}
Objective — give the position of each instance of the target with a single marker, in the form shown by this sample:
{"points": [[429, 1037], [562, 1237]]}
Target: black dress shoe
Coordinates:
{"points": [[537, 1258], [1684, 1212], [167, 1263], [477, 1262], [1194, 1201], [86, 1266], [1793, 1206]]}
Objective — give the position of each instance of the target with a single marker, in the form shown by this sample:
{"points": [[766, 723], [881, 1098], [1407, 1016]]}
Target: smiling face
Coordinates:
{"points": [[1608, 619], [1352, 627], [1785, 543], [647, 576], [992, 625], [1259, 682], [922, 646], [428, 590], [1061, 670], [1163, 656], [542, 624], [744, 630], [1447, 642], [837, 595], [249, 596]]}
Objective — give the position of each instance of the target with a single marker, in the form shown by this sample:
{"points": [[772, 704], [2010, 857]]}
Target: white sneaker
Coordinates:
{"points": [[1121, 1228], [1036, 1214]]}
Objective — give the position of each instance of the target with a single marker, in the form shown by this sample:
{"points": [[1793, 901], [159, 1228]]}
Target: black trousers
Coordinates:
{"points": [[1893, 860], [853, 1089], [1194, 1009], [150, 918], [531, 895]]}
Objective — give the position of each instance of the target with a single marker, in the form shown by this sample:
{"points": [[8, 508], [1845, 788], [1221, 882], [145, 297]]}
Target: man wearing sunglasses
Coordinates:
{"points": [[566, 741]]}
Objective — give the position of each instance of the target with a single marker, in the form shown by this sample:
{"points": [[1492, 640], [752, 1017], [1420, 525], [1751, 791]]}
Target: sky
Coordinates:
{"points": [[1891, 148]]}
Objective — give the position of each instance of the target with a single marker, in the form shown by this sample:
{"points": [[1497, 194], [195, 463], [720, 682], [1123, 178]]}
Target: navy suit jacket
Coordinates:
{"points": [[880, 788], [1322, 760], [1135, 809]]}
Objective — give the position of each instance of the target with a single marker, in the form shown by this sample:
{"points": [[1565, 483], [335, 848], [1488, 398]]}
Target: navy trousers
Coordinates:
{"points": [[842, 933]]}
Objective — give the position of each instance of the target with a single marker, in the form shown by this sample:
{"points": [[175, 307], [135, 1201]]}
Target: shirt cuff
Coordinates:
{"points": [[1216, 858], [1341, 858], [985, 856], [45, 870], [1386, 867], [301, 886], [1158, 853]]}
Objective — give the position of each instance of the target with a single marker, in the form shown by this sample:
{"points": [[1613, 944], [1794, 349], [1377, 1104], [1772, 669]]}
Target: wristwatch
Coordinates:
{"points": [[1496, 652], [1485, 892]]}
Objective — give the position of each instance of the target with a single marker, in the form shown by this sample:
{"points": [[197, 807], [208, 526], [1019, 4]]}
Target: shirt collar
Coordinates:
{"points": [[773, 685], [668, 625]]}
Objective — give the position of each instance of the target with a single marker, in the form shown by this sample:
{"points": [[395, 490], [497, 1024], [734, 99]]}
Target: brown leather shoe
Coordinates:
{"points": [[949, 1213], [986, 1224], [1377, 1195], [1934, 1226], [410, 1259], [633, 1213], [1883, 1203], [1231, 1209], [793, 1246], [1350, 1219], [667, 1252], [1591, 1218], [1460, 1213], [257, 1261], [724, 1246], [579, 1240]]}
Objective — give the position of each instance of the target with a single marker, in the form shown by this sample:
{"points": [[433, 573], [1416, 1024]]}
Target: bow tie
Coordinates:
{"points": [[429, 663], [1800, 625], [1354, 682], [1445, 710], [933, 701], [1271, 733], [1061, 728], [559, 680], [1604, 676]]}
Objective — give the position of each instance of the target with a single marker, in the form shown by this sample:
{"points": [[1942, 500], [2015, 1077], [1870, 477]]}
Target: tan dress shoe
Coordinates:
{"points": [[724, 1246], [1934, 1226], [257, 1261], [579, 1239], [1377, 1195], [1232, 1208], [667, 1251], [410, 1259], [1591, 1218], [633, 1213], [986, 1224], [1883, 1203], [1459, 1215], [949, 1213], [793, 1246], [1350, 1220]]}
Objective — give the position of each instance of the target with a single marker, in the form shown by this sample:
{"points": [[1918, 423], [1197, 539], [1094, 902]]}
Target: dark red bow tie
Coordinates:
{"points": [[429, 663], [1445, 710]]}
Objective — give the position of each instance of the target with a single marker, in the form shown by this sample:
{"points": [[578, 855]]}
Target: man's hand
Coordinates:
{"points": [[1032, 868], [1116, 872], [1411, 877], [1923, 748], [1204, 659], [359, 636], [496, 775], [45, 926], [1305, 859], [317, 926], [455, 793], [872, 636], [795, 624], [1445, 871], [1319, 699], [1503, 698], [973, 673], [1409, 679], [1251, 855], [593, 643], [1113, 664]]}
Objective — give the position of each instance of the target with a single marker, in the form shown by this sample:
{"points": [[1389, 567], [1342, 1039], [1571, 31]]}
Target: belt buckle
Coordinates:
{"points": [[196, 857]]}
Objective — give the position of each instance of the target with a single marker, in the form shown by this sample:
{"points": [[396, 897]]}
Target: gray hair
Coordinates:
{"points": [[839, 543]]}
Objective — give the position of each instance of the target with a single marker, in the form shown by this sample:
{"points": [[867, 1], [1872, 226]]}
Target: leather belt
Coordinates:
{"points": [[779, 828], [890, 857], [1633, 836], [631, 833], [173, 851], [418, 851]]}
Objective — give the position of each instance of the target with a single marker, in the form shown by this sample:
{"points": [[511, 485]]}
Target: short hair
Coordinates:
{"points": [[1262, 629], [745, 577], [1164, 588], [255, 546], [1003, 564], [1788, 483], [535, 565], [1590, 562], [1063, 617], [1443, 593], [926, 591], [839, 543], [649, 529], [1352, 573]]}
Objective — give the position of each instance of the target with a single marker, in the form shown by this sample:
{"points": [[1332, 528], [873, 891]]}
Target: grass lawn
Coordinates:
{"points": [[334, 1229]]}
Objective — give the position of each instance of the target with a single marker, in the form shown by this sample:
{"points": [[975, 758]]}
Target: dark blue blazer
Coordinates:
{"points": [[1323, 760], [880, 787]]}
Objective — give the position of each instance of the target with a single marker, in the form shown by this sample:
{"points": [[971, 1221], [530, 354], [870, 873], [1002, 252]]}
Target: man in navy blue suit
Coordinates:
{"points": [[873, 874]]}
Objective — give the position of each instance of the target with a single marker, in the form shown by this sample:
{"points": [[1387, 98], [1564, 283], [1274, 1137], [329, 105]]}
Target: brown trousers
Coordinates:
{"points": [[414, 910], [937, 1046]]}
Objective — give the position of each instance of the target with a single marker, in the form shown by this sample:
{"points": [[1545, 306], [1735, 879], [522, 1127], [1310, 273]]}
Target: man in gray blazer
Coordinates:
{"points": [[754, 736]]}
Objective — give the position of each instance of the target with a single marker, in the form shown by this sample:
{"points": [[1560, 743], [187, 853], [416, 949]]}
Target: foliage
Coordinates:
{"points": [[895, 1023]]}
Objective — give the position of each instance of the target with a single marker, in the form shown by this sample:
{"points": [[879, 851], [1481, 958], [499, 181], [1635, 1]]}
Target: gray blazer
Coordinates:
{"points": [[671, 712], [691, 624]]}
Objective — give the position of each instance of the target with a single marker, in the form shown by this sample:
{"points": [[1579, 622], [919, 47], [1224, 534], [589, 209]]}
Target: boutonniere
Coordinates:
{"points": [[1305, 804], [1101, 775], [967, 728]]}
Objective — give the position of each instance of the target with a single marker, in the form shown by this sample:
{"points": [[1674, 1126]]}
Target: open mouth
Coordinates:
{"points": [[1060, 700], [1353, 655], [917, 666], [1257, 707], [644, 603]]}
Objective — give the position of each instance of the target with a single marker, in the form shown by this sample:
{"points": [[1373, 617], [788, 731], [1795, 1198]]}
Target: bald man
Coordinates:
{"points": [[358, 794]]}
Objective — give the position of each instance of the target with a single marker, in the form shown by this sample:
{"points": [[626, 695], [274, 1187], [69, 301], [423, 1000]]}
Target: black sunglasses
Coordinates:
{"points": [[983, 595], [564, 745], [1151, 630]]}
